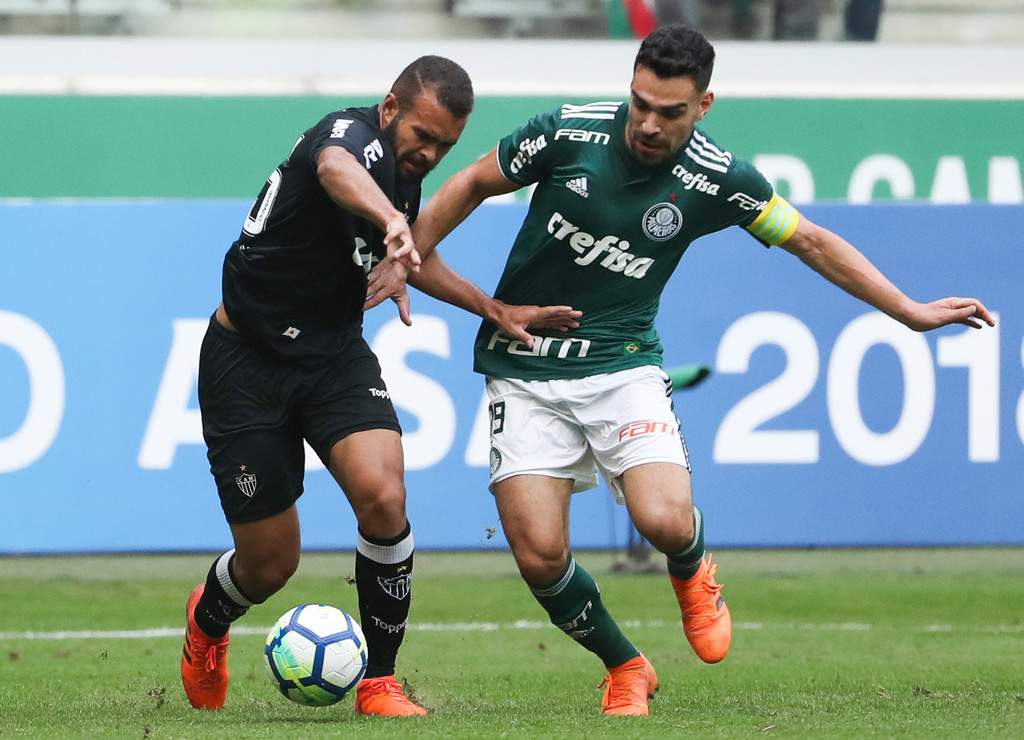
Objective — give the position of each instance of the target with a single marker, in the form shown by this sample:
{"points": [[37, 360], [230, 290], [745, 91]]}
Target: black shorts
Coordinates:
{"points": [[257, 409]]}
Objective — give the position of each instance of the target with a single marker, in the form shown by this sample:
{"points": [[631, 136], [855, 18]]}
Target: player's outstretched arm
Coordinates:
{"points": [[450, 206], [841, 263], [349, 184], [457, 198], [440, 281]]}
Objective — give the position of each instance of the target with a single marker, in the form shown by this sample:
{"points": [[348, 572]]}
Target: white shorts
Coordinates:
{"points": [[577, 427]]}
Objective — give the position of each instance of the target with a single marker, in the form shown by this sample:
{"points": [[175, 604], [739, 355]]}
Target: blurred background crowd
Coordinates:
{"points": [[892, 21]]}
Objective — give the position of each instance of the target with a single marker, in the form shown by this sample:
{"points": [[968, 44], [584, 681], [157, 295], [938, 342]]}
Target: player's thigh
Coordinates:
{"points": [[368, 466], [630, 421], [534, 512], [531, 434], [659, 499], [266, 553], [349, 420], [253, 442], [347, 397]]}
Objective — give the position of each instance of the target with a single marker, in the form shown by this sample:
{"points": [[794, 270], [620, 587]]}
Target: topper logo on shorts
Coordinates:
{"points": [[645, 428]]}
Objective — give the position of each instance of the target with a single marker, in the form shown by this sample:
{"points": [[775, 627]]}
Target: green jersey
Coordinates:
{"points": [[604, 233]]}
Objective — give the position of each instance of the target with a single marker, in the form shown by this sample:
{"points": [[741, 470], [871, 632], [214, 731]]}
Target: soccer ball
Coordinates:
{"points": [[315, 654]]}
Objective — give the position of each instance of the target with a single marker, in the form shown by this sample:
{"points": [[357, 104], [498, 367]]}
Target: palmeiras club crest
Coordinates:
{"points": [[246, 483], [662, 222]]}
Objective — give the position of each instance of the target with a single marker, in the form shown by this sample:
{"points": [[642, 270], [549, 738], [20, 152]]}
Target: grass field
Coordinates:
{"points": [[826, 644]]}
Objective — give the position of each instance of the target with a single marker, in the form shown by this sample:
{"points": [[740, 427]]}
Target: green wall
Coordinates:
{"points": [[212, 147]]}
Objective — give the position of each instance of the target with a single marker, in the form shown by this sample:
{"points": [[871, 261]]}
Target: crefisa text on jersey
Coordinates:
{"points": [[617, 258], [695, 180]]}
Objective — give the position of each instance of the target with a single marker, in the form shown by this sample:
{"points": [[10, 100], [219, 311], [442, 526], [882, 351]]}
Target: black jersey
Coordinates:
{"points": [[295, 279]]}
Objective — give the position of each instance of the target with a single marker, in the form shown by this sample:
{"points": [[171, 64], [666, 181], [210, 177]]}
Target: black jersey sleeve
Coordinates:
{"points": [[350, 130]]}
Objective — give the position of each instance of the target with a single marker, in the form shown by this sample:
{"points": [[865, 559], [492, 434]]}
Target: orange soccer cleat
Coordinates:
{"points": [[628, 687], [384, 696], [706, 619], [204, 662]]}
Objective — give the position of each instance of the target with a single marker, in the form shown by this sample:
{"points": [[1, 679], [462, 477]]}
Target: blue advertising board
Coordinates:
{"points": [[823, 422]]}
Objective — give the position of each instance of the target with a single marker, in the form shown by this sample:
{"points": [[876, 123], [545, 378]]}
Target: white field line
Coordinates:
{"points": [[519, 625]]}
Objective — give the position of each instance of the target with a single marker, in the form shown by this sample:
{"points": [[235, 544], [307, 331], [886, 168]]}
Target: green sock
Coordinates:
{"points": [[573, 602], [684, 565]]}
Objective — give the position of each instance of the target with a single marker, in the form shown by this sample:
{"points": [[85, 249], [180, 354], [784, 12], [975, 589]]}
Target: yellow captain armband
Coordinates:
{"points": [[777, 222]]}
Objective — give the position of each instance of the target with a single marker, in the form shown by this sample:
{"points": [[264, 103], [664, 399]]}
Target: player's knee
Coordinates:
{"points": [[264, 579], [381, 513], [667, 531], [540, 566]]}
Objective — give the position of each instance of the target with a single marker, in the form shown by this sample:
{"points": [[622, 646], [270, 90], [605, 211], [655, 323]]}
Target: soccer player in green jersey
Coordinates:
{"points": [[621, 192]]}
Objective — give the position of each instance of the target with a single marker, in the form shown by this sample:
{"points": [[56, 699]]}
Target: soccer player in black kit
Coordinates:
{"points": [[284, 360]]}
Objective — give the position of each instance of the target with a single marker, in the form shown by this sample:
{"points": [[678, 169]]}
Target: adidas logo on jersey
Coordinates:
{"points": [[578, 185]]}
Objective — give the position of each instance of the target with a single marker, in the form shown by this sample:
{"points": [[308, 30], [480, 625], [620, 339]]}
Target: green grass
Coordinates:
{"points": [[826, 644]]}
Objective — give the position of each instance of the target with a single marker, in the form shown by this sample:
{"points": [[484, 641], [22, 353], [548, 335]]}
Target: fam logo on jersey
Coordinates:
{"points": [[662, 222], [587, 137], [556, 347], [246, 482]]}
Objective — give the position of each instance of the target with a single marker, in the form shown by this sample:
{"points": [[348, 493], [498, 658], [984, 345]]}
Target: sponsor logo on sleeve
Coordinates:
{"points": [[528, 149], [339, 128]]}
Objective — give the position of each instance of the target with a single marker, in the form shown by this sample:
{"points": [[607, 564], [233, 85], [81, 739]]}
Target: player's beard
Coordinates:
{"points": [[420, 168], [656, 155]]}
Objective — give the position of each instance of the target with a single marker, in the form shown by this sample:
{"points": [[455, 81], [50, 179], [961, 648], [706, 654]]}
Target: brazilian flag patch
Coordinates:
{"points": [[630, 348]]}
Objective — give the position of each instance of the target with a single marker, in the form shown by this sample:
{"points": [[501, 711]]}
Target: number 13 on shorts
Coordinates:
{"points": [[497, 411]]}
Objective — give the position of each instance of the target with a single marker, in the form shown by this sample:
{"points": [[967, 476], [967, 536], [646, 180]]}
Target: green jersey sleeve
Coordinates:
{"points": [[526, 155]]}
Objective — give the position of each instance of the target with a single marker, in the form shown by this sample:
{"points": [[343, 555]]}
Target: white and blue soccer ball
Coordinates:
{"points": [[315, 654]]}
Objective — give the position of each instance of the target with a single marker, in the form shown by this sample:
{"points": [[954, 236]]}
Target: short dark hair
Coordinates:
{"points": [[446, 79], [678, 51]]}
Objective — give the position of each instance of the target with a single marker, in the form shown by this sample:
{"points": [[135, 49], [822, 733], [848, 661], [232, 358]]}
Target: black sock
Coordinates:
{"points": [[222, 601], [383, 580]]}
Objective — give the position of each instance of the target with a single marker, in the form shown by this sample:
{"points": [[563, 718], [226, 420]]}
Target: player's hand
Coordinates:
{"points": [[387, 280], [400, 246], [967, 311], [516, 321]]}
